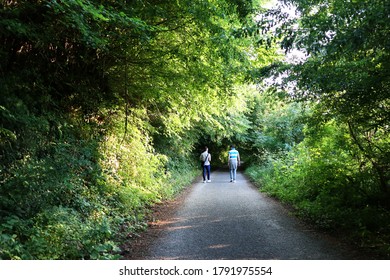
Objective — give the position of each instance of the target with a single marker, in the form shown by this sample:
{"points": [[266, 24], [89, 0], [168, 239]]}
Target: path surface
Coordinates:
{"points": [[223, 220]]}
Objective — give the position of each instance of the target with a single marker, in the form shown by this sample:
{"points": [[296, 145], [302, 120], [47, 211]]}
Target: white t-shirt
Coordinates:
{"points": [[203, 157]]}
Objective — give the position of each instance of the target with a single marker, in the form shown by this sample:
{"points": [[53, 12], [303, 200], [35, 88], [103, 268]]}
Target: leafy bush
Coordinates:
{"points": [[71, 195]]}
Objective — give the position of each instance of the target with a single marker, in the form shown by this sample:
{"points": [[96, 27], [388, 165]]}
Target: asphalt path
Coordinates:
{"points": [[223, 220]]}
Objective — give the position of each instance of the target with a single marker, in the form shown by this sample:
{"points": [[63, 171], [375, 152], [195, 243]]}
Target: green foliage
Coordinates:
{"points": [[348, 69], [60, 233], [339, 175], [276, 125], [347, 72], [69, 199], [57, 233]]}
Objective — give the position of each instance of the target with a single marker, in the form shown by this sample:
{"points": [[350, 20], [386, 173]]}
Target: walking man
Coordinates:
{"points": [[205, 158], [233, 162]]}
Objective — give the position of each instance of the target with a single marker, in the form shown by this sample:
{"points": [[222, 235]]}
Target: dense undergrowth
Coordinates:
{"points": [[78, 185], [329, 183]]}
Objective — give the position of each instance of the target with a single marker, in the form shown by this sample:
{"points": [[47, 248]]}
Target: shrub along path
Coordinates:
{"points": [[223, 220]]}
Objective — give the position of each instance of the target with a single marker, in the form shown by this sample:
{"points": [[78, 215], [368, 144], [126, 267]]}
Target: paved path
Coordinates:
{"points": [[223, 220]]}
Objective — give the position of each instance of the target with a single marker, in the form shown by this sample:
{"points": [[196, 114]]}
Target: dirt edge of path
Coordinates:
{"points": [[161, 215]]}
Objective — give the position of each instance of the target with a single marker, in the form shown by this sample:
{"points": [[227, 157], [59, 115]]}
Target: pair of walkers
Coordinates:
{"points": [[233, 163]]}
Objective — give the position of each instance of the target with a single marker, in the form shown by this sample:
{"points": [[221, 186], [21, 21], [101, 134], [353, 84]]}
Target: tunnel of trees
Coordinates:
{"points": [[106, 105]]}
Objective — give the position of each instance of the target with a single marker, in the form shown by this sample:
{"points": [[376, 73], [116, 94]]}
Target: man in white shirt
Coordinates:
{"points": [[205, 158]]}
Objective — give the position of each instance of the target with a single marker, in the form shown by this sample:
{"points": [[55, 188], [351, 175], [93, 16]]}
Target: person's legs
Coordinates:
{"points": [[204, 173], [233, 168], [208, 169]]}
